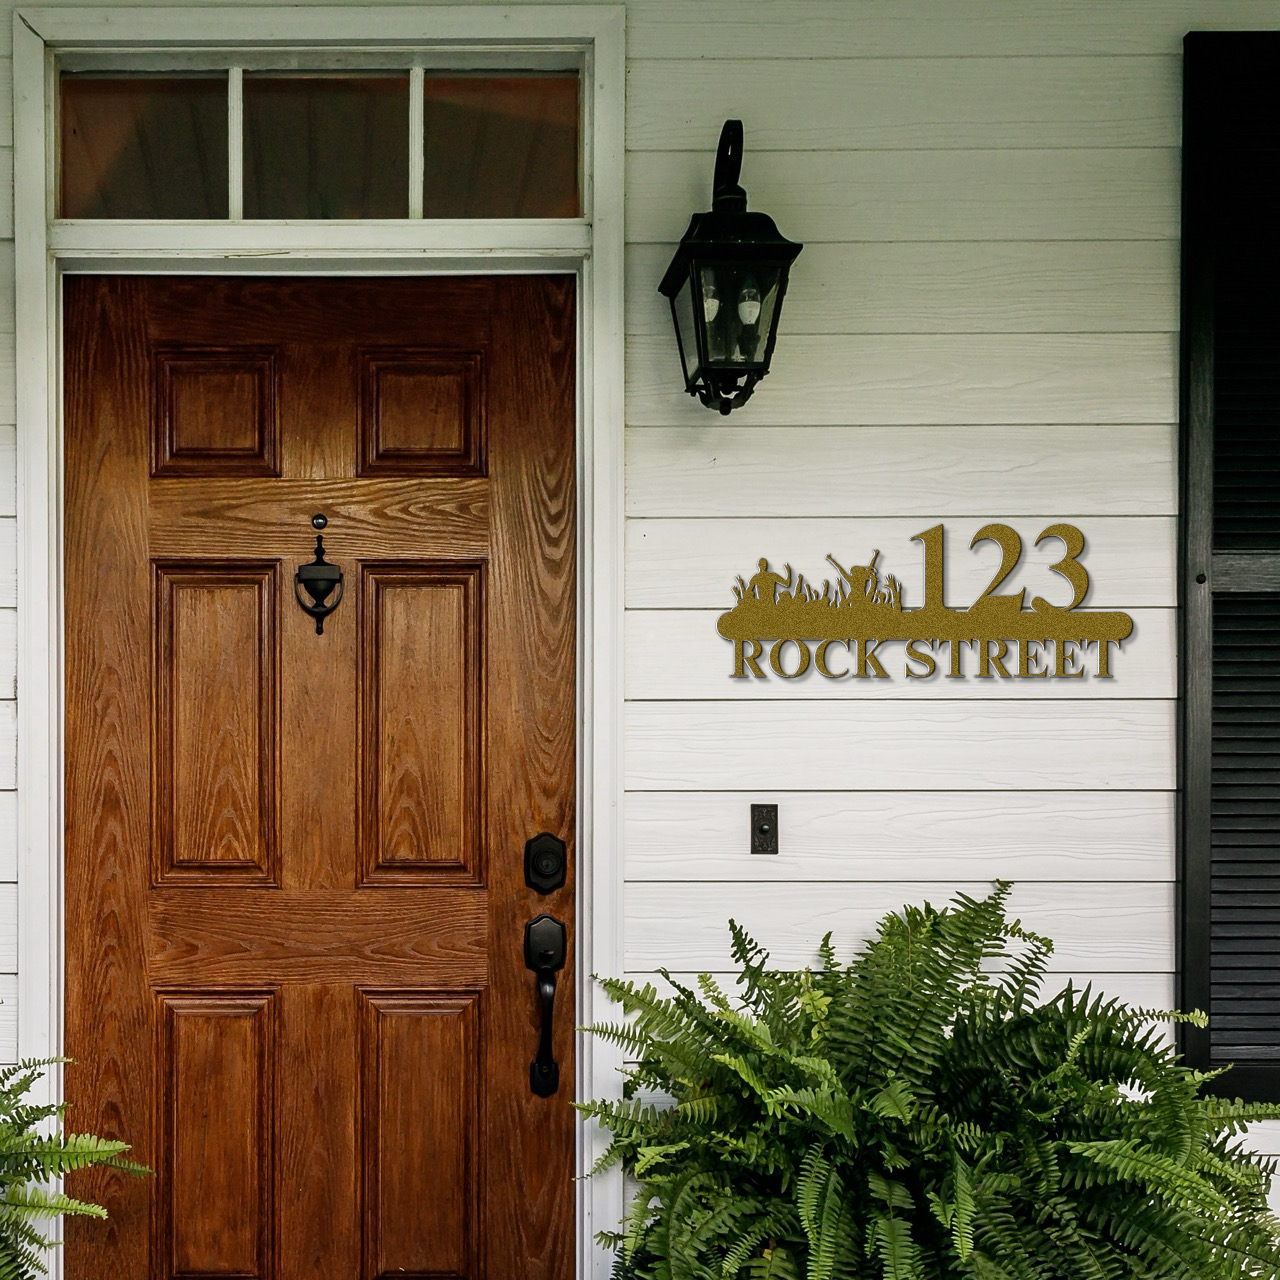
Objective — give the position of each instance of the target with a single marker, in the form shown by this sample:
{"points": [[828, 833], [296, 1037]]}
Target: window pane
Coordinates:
{"points": [[326, 146], [144, 147], [501, 146]]}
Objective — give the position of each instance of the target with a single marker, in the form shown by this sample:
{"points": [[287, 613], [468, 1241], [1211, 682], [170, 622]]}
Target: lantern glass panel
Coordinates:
{"points": [[686, 331], [739, 301]]}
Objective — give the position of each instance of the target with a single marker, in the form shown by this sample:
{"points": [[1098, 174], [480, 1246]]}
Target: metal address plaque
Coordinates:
{"points": [[848, 623]]}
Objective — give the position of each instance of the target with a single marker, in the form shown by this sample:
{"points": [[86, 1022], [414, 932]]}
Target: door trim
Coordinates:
{"points": [[591, 248]]}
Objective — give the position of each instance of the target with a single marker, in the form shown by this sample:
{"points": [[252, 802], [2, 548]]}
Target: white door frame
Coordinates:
{"points": [[591, 247]]}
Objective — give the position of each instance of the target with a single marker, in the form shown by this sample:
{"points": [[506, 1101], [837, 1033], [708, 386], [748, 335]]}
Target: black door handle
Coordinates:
{"points": [[544, 954]]}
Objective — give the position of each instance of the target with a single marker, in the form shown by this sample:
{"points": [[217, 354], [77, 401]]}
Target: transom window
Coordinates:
{"points": [[242, 143]]}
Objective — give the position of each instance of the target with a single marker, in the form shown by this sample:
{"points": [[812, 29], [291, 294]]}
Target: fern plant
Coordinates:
{"points": [[922, 1114], [30, 1157]]}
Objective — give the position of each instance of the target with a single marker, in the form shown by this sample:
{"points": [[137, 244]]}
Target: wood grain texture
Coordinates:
{"points": [[914, 746], [843, 196], [1126, 286], [989, 379], [678, 654], [217, 730], [1104, 927], [420, 1117], [931, 471], [690, 564], [470, 695], [422, 716], [860, 104], [215, 412], [422, 412], [936, 29], [217, 1134], [400, 517], [861, 835]]}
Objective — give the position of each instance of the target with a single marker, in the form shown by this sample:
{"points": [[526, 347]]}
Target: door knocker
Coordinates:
{"points": [[319, 578]]}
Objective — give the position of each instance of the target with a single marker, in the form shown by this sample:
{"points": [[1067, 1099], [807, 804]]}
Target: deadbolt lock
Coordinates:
{"points": [[544, 863]]}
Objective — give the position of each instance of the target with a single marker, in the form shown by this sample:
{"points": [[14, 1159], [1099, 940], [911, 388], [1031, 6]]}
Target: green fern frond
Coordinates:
{"points": [[923, 1113]]}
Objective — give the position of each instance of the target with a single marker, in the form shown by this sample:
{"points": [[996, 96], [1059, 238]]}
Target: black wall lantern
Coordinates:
{"points": [[726, 285]]}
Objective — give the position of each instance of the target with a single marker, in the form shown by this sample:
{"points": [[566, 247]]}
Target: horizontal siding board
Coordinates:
{"points": [[769, 471], [8, 928], [1264, 1137], [691, 564], [1022, 836], [1104, 927], [844, 196], [8, 471], [8, 1017], [1110, 286], [8, 655], [8, 563], [678, 654], [913, 746], [960, 379], [8, 749], [8, 835], [839, 104], [806, 29]]}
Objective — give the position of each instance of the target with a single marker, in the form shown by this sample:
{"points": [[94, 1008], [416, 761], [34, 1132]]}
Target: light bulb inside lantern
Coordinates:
{"points": [[710, 300], [749, 304]]}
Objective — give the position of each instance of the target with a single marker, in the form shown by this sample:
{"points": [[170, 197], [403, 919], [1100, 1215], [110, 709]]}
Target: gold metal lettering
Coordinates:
{"points": [[914, 654], [867, 653], [820, 660], [1025, 657], [862, 610], [1062, 656], [1074, 573], [741, 658], [775, 657], [987, 660]]}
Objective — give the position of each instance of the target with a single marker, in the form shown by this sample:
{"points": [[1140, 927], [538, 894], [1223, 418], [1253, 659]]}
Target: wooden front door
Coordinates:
{"points": [[295, 892]]}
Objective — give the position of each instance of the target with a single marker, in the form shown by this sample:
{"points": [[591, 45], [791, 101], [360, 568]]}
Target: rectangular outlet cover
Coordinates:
{"points": [[764, 828]]}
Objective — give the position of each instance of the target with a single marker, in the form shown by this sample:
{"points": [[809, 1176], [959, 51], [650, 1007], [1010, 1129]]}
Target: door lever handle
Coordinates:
{"points": [[544, 944]]}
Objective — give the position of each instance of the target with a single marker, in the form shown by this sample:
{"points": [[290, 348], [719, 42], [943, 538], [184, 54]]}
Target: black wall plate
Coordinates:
{"points": [[764, 828]]}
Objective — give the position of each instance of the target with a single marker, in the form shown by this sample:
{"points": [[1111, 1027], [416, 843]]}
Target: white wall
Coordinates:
{"points": [[982, 327]]}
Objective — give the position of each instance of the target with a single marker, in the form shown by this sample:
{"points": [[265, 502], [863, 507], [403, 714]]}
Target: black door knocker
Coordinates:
{"points": [[319, 578]]}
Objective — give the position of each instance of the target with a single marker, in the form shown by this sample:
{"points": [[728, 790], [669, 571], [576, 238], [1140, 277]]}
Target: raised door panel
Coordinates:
{"points": [[216, 1087], [419, 1148], [422, 412], [216, 730], [421, 718], [215, 411]]}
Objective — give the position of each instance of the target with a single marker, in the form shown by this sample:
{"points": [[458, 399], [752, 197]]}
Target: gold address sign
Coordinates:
{"points": [[849, 619]]}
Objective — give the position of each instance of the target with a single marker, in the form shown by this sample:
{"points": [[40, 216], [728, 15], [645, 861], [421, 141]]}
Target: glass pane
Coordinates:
{"points": [[144, 147], [501, 146], [326, 146], [738, 304]]}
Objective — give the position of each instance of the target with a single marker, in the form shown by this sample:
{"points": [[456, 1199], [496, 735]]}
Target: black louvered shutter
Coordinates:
{"points": [[1229, 959]]}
